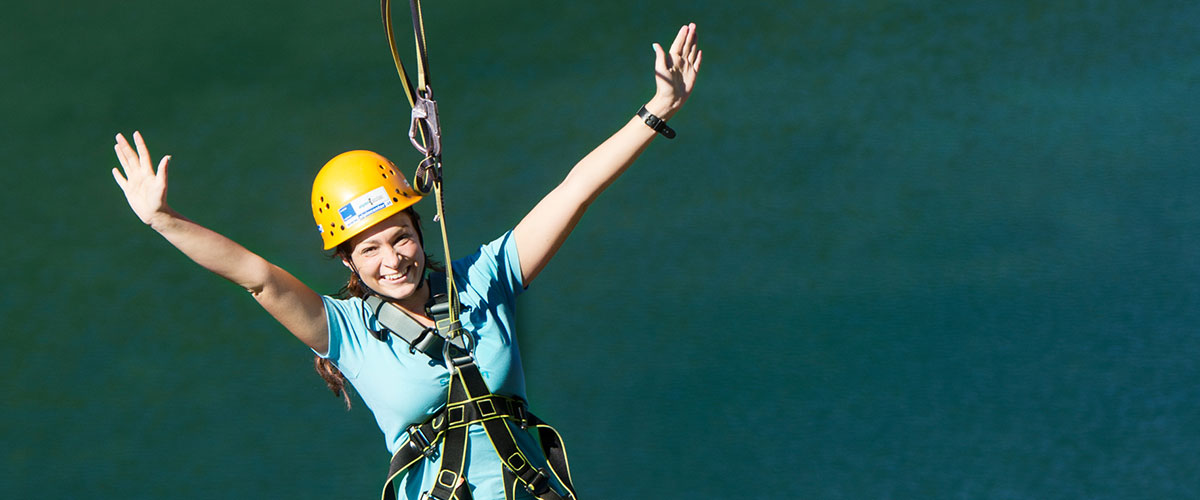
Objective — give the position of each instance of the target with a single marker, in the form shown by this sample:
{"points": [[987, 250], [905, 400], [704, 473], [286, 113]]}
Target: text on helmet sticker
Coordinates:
{"points": [[362, 207]]}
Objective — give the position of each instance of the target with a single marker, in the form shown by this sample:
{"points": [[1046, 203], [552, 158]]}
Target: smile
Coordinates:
{"points": [[400, 276]]}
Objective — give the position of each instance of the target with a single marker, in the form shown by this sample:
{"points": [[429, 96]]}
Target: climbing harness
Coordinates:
{"points": [[468, 402]]}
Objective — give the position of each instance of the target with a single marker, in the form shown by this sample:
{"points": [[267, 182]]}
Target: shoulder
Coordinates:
{"points": [[495, 262], [347, 320], [338, 306]]}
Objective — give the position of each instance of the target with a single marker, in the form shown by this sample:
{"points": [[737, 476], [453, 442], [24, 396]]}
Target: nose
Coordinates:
{"points": [[390, 259]]}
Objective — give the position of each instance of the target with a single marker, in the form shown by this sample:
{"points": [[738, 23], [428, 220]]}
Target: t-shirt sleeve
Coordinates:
{"points": [[496, 267], [343, 319]]}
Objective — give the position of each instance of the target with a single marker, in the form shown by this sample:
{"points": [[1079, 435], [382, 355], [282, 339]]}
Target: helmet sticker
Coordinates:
{"points": [[362, 207]]}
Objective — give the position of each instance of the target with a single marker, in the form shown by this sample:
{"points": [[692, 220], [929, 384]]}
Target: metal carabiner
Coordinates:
{"points": [[446, 359], [424, 114]]}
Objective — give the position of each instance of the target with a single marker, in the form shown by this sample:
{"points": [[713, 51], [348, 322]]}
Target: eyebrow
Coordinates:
{"points": [[400, 230]]}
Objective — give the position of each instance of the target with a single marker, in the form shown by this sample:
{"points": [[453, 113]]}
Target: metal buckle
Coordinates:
{"points": [[522, 416], [540, 483], [418, 441]]}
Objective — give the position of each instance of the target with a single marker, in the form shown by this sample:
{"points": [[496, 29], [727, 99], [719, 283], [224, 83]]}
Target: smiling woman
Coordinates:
{"points": [[363, 207]]}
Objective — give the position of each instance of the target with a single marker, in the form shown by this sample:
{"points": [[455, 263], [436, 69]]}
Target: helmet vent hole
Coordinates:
{"points": [[395, 199], [384, 176], [326, 205]]}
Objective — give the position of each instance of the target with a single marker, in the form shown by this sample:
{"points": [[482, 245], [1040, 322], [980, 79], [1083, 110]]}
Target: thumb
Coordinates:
{"points": [[660, 58]]}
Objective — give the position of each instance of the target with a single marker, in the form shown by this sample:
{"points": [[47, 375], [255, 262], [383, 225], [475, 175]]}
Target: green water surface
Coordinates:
{"points": [[899, 250]]}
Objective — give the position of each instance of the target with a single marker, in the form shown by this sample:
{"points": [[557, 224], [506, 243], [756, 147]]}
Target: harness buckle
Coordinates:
{"points": [[540, 483], [522, 416], [418, 441]]}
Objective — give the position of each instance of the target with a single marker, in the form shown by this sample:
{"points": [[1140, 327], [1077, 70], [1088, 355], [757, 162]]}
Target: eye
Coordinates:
{"points": [[367, 250]]}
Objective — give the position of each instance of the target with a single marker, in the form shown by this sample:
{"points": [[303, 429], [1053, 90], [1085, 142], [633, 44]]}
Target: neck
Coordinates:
{"points": [[414, 304]]}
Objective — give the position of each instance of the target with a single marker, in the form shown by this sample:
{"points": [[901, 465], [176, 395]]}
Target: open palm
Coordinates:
{"points": [[145, 188], [675, 69]]}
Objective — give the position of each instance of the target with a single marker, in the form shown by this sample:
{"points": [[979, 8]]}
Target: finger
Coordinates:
{"points": [[677, 45], [122, 155], [119, 178], [162, 168], [690, 42], [691, 56], [121, 147], [699, 57], [129, 159], [143, 151]]}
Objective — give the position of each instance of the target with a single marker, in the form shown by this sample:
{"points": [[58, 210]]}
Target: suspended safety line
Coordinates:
{"points": [[468, 400], [425, 133]]}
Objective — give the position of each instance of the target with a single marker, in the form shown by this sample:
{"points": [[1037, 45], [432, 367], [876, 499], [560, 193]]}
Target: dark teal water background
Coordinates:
{"points": [[900, 249]]}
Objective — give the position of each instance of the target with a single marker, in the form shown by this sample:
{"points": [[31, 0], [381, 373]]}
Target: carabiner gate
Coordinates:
{"points": [[425, 116]]}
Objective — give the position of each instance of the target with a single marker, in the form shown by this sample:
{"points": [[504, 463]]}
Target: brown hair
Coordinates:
{"points": [[354, 287]]}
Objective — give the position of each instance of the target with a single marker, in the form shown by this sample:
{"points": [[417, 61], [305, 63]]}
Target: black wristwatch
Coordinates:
{"points": [[658, 124]]}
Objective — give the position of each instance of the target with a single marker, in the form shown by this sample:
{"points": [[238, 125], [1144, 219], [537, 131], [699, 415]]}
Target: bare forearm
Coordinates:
{"points": [[545, 228], [213, 251], [603, 165]]}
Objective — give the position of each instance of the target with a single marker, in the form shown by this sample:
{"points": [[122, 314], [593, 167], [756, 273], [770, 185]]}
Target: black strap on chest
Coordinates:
{"points": [[432, 340], [468, 402]]}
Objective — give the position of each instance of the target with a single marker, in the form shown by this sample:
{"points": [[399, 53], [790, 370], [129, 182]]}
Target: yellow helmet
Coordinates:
{"points": [[355, 191]]}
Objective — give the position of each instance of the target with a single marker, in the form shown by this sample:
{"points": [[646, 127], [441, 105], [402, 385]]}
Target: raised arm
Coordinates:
{"points": [[540, 234], [291, 302]]}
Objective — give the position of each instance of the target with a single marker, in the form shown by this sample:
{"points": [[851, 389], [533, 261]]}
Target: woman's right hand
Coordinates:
{"points": [[145, 188]]}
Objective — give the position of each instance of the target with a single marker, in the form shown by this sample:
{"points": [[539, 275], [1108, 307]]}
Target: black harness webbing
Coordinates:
{"points": [[469, 402]]}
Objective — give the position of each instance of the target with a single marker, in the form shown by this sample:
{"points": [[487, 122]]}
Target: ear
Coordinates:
{"points": [[347, 264]]}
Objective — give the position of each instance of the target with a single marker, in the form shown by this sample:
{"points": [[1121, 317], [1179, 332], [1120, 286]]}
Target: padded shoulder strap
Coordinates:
{"points": [[398, 323]]}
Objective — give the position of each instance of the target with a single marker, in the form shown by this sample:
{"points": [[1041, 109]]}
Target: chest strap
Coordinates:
{"points": [[393, 321]]}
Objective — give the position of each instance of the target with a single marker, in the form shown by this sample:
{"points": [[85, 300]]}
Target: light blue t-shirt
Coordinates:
{"points": [[403, 388]]}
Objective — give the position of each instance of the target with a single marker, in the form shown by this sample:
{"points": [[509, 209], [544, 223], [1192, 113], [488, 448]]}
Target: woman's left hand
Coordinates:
{"points": [[675, 72]]}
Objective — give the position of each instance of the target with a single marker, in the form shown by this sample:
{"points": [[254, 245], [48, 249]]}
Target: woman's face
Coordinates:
{"points": [[389, 257]]}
